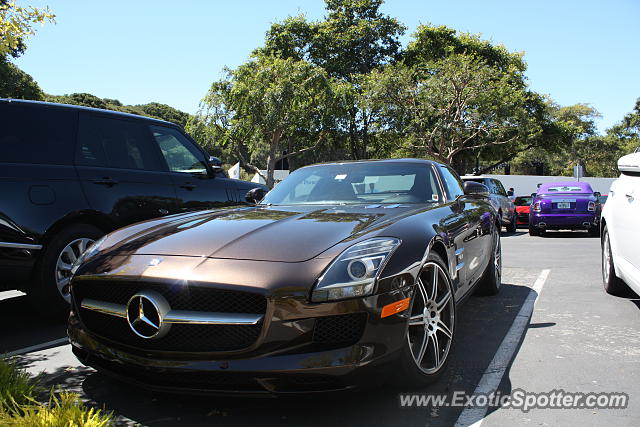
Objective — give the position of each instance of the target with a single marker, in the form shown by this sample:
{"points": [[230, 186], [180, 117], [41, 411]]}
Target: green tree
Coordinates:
{"points": [[353, 39], [262, 105], [15, 83], [164, 112], [449, 106], [627, 132], [432, 43], [17, 23]]}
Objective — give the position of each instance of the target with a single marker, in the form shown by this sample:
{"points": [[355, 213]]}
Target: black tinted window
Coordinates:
{"points": [[115, 143], [30, 134], [452, 182]]}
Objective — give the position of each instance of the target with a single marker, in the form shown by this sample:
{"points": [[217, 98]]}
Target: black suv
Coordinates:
{"points": [[70, 174]]}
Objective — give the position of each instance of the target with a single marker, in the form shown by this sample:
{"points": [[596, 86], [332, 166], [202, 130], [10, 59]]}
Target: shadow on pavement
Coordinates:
{"points": [[483, 323], [21, 325]]}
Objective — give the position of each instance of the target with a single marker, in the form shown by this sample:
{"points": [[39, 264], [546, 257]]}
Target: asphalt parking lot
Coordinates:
{"points": [[578, 339]]}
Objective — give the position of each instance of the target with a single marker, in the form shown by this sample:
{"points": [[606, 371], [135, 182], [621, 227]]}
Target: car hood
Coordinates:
{"points": [[276, 233]]}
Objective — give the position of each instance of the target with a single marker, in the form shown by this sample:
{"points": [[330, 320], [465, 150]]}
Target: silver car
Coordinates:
{"points": [[499, 199]]}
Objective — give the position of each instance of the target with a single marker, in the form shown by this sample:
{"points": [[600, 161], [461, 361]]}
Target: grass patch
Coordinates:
{"points": [[65, 410], [16, 386], [19, 405]]}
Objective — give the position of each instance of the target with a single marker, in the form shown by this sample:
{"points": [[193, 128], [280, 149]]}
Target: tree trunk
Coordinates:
{"points": [[353, 134], [274, 146]]}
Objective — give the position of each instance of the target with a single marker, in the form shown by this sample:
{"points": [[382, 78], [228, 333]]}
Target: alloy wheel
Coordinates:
{"points": [[431, 324], [67, 257]]}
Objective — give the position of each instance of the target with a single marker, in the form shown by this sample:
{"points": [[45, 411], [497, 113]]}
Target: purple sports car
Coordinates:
{"points": [[564, 206]]}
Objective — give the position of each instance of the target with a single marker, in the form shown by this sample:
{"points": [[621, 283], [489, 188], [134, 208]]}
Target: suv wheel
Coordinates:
{"points": [[49, 293]]}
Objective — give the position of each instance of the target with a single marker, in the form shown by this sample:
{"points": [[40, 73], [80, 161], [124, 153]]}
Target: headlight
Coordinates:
{"points": [[354, 272], [93, 249]]}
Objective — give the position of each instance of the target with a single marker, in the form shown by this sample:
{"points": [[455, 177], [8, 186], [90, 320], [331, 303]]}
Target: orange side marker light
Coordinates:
{"points": [[395, 307]]}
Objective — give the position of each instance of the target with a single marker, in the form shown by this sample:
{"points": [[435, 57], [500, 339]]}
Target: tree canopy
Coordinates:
{"points": [[17, 23]]}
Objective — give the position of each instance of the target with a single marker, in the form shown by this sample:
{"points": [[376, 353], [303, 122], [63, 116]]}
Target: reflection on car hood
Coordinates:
{"points": [[276, 233]]}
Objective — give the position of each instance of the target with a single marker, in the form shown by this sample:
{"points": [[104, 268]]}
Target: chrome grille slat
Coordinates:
{"points": [[177, 316]]}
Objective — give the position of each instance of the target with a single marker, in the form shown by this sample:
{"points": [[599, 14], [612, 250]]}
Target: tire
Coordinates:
{"points": [[420, 330], [613, 285], [49, 292], [491, 279], [512, 227], [594, 232], [533, 231]]}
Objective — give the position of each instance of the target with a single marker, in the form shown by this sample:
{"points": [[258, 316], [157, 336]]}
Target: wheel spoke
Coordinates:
{"points": [[68, 251], [443, 301], [82, 246], [434, 282], [444, 329], [63, 282], [436, 350], [417, 320], [65, 266], [423, 348], [423, 292]]}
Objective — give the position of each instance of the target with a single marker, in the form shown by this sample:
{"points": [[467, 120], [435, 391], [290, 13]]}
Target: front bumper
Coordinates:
{"points": [[284, 360], [564, 221]]}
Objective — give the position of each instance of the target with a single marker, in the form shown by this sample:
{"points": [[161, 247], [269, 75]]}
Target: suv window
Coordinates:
{"points": [[499, 188], [452, 182], [37, 135], [115, 143], [179, 153]]}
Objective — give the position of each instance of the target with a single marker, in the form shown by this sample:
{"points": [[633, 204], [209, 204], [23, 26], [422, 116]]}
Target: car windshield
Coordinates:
{"points": [[354, 183], [522, 201]]}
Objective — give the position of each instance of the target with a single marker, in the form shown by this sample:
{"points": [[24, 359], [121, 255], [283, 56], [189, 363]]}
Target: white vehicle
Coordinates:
{"points": [[621, 229]]}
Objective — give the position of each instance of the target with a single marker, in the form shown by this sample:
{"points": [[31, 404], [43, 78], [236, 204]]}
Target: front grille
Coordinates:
{"points": [[339, 331], [181, 337], [191, 297]]}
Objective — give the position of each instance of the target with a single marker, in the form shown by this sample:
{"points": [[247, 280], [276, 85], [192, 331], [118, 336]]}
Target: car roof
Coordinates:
{"points": [[584, 186], [403, 160], [83, 108]]}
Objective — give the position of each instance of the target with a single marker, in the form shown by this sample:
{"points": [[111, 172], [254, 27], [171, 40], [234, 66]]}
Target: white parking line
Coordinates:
{"points": [[54, 343], [10, 294], [490, 381]]}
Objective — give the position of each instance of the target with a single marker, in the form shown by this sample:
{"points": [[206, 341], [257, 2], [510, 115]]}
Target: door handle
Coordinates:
{"points": [[109, 182], [188, 186]]}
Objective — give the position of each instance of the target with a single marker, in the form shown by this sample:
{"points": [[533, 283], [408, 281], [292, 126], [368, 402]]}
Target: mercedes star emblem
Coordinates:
{"points": [[145, 313]]}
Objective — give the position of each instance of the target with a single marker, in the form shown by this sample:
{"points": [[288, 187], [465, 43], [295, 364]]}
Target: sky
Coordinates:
{"points": [[577, 51]]}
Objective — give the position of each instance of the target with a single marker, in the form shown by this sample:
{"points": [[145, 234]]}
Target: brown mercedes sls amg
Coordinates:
{"points": [[343, 274]]}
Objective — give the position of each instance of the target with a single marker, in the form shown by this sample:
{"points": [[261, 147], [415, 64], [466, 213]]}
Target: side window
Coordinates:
{"points": [[30, 134], [500, 188], [452, 182], [178, 151], [115, 143]]}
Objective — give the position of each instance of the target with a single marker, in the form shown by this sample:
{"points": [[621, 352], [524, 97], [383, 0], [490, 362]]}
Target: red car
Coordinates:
{"points": [[523, 204]]}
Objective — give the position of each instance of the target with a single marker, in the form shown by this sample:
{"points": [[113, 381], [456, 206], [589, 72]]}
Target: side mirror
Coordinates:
{"points": [[534, 194], [475, 189], [255, 195], [597, 193], [215, 164]]}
